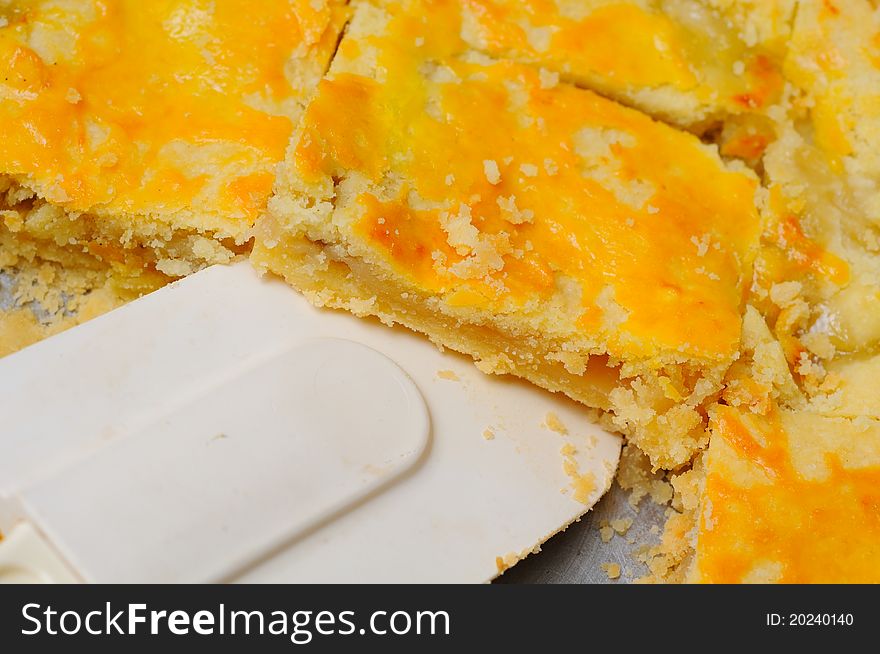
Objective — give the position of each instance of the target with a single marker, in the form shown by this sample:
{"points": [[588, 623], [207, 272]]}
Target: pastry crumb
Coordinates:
{"points": [[621, 525], [612, 570], [503, 563], [582, 484], [553, 423], [493, 174]]}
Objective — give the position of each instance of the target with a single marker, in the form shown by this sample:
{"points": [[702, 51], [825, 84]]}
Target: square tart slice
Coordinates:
{"points": [[144, 135], [544, 230], [790, 497]]}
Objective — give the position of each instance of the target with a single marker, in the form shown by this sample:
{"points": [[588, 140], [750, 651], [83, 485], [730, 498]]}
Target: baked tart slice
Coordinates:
{"points": [[543, 229], [143, 136]]}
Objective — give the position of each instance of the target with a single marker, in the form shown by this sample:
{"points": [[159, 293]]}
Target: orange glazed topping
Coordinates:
{"points": [[143, 107]]}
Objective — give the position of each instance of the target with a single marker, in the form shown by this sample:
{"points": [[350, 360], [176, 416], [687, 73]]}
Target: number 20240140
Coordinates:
{"points": [[810, 620]]}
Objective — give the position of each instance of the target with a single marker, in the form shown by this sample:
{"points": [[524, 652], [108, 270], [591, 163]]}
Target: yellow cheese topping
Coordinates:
{"points": [[508, 185], [152, 107], [791, 500]]}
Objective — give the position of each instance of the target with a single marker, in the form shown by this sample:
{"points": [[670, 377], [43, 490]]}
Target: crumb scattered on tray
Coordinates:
{"points": [[582, 485], [621, 525], [553, 423], [612, 570]]}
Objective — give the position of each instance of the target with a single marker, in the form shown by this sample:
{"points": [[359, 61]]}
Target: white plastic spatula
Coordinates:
{"points": [[222, 429]]}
